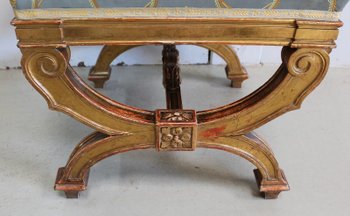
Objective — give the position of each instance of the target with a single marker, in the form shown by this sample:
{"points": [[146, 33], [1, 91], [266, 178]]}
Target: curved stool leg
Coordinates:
{"points": [[73, 178], [234, 69], [102, 70], [270, 178]]}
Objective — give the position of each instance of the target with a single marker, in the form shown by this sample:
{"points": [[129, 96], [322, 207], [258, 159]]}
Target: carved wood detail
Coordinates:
{"points": [[176, 130], [175, 138], [172, 77], [177, 116], [49, 71], [123, 128]]}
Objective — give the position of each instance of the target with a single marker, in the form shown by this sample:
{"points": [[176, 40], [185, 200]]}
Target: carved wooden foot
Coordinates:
{"points": [[270, 189], [102, 70]]}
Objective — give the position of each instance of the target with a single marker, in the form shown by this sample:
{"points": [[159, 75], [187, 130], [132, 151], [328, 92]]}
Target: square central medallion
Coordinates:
{"points": [[176, 130]]}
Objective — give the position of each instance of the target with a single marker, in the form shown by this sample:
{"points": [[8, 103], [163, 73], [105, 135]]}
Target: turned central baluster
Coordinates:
{"points": [[171, 76]]}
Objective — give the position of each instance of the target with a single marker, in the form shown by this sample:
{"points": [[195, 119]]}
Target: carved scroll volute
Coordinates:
{"points": [[309, 65], [46, 62], [44, 69], [304, 60]]}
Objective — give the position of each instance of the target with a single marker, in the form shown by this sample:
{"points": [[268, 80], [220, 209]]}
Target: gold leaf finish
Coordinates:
{"points": [[121, 128], [50, 63]]}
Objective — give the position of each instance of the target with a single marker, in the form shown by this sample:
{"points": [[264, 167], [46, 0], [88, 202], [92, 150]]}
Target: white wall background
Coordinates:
{"points": [[249, 55]]}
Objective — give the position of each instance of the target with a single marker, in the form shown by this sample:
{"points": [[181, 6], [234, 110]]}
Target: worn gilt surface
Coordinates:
{"points": [[121, 128]]}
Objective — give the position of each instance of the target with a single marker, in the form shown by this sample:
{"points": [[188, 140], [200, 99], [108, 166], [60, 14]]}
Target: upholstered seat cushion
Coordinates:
{"points": [[308, 9]]}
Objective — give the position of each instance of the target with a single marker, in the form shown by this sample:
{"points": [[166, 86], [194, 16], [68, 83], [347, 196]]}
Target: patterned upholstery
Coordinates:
{"points": [[320, 9]]}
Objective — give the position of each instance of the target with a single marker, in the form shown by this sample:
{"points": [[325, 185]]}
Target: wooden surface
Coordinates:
{"points": [[122, 128], [131, 31]]}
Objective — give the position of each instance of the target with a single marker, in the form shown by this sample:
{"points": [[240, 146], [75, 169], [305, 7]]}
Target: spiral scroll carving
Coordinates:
{"points": [[303, 61], [49, 62]]}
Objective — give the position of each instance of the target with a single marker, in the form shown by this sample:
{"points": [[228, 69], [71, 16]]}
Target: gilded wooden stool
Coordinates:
{"points": [[46, 29]]}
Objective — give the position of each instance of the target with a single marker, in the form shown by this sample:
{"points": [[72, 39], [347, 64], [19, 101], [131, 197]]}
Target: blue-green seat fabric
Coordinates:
{"points": [[323, 5], [86, 9]]}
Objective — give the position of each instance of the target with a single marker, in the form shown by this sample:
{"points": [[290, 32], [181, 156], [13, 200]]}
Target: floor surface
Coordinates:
{"points": [[312, 146]]}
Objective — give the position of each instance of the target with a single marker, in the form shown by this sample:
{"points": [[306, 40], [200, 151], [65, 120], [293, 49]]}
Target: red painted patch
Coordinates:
{"points": [[214, 132]]}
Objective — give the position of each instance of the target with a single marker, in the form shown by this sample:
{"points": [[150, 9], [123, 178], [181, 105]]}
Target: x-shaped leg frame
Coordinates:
{"points": [[122, 128]]}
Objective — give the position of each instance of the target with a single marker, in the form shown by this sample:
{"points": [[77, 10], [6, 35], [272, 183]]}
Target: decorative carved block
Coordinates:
{"points": [[176, 137], [176, 130], [181, 116]]}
